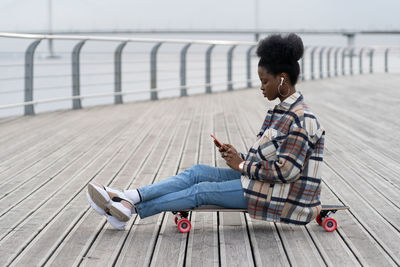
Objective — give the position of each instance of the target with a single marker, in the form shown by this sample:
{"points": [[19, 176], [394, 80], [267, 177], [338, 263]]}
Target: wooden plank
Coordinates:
{"points": [[117, 241], [28, 155], [32, 142], [370, 124], [365, 146], [234, 239], [86, 141], [130, 160], [49, 165], [360, 243], [203, 245], [13, 242], [5, 202], [44, 240], [59, 225], [14, 128], [383, 232], [140, 246], [340, 168], [371, 190], [369, 156], [20, 212], [27, 184], [365, 159], [31, 139], [388, 168], [170, 249]]}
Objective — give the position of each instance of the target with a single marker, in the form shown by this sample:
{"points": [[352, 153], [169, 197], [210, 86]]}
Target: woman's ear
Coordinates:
{"points": [[283, 78]]}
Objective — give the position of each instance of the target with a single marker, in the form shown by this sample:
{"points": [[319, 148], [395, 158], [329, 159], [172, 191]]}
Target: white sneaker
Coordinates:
{"points": [[109, 200], [115, 223], [111, 219]]}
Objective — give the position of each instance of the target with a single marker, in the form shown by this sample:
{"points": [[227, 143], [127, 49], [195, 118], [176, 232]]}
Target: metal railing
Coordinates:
{"points": [[310, 53]]}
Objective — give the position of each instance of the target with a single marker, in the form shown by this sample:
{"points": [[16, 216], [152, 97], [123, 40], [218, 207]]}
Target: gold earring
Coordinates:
{"points": [[279, 87]]}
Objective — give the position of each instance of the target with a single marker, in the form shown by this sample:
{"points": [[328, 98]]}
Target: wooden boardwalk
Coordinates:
{"points": [[47, 160]]}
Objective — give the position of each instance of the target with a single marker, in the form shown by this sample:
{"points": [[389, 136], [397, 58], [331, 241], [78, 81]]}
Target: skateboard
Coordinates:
{"points": [[323, 218]]}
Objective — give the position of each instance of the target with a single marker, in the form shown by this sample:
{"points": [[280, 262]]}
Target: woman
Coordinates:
{"points": [[277, 180]]}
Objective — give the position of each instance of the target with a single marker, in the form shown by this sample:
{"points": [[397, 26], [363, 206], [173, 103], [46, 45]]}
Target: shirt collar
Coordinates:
{"points": [[288, 102]]}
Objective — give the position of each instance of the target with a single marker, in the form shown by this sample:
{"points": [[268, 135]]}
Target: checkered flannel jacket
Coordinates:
{"points": [[281, 173]]}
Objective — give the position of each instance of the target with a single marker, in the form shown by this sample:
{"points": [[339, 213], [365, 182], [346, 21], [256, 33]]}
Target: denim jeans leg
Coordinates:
{"points": [[227, 194], [197, 174]]}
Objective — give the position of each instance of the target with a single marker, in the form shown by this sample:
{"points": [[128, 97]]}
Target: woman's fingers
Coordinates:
{"points": [[224, 148], [226, 154]]}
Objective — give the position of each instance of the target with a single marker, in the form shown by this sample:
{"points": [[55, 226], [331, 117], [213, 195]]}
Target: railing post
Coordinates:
{"points": [[321, 75], [153, 71], [312, 62], [208, 68], [29, 57], [371, 55], [229, 65], [343, 61], [248, 65], [360, 59], [336, 60], [118, 73], [387, 60], [328, 62], [183, 69], [76, 90], [303, 76], [351, 60]]}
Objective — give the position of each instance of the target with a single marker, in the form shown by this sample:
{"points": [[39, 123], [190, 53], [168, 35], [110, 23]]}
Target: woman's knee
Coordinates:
{"points": [[197, 191], [198, 169]]}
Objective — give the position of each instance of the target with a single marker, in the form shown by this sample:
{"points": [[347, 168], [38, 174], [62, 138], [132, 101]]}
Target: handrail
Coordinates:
{"points": [[119, 39], [128, 92], [118, 92]]}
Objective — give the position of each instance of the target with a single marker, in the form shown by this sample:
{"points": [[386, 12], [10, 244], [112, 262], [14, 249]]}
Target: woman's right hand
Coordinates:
{"points": [[226, 147]]}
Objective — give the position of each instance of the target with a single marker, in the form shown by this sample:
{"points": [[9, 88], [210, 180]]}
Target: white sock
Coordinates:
{"points": [[133, 195]]}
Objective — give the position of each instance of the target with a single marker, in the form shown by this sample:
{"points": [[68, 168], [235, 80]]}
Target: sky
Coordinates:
{"points": [[81, 15]]}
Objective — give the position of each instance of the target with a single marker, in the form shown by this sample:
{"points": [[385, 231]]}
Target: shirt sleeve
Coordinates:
{"points": [[288, 163], [243, 156]]}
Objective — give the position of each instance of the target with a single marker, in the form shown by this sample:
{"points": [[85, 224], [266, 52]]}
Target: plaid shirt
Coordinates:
{"points": [[281, 173]]}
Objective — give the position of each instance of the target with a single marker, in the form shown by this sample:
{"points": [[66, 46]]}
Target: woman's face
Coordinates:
{"points": [[269, 84]]}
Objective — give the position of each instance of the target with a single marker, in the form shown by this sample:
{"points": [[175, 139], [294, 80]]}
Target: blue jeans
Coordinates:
{"points": [[197, 186]]}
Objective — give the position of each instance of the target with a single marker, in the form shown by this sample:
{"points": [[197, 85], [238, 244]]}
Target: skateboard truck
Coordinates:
{"points": [[324, 220], [181, 220]]}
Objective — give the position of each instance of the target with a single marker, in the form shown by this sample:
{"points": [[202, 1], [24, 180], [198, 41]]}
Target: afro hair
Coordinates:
{"points": [[281, 54]]}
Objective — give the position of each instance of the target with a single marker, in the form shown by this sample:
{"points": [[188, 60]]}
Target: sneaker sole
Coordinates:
{"points": [[101, 198], [94, 205]]}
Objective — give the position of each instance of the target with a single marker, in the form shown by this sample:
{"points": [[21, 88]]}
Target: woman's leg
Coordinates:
{"points": [[101, 195], [197, 174], [227, 194]]}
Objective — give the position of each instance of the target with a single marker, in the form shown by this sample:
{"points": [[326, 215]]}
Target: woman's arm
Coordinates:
{"points": [[290, 159]]}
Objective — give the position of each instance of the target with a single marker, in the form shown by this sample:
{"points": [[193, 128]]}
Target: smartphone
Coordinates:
{"points": [[216, 141]]}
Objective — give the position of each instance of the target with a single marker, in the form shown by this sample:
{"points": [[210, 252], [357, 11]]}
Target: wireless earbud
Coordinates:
{"points": [[282, 80]]}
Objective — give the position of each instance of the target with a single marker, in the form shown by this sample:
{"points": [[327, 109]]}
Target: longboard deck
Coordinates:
{"points": [[220, 209], [323, 219]]}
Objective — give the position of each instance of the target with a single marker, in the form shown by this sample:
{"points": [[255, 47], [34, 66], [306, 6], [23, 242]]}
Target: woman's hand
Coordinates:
{"points": [[231, 156]]}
